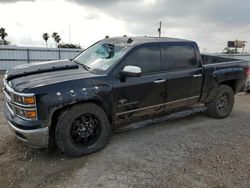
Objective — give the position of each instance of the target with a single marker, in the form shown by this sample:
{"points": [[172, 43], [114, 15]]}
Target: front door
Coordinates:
{"points": [[140, 96]]}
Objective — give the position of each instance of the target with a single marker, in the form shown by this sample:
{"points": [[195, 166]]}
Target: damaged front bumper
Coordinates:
{"points": [[36, 138], [33, 133]]}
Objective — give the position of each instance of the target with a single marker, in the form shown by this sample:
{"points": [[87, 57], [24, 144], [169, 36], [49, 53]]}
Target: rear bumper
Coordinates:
{"points": [[36, 138]]}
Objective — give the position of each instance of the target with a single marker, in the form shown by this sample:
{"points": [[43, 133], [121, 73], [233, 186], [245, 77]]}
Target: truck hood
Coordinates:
{"points": [[38, 68], [38, 74]]}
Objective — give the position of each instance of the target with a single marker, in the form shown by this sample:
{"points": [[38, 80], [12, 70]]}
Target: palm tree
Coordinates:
{"points": [[56, 37], [3, 33], [45, 38]]}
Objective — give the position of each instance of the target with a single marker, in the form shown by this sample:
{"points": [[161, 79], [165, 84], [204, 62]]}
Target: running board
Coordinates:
{"points": [[173, 116]]}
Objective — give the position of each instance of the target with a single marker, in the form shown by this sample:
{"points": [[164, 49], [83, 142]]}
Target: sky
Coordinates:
{"points": [[211, 23]]}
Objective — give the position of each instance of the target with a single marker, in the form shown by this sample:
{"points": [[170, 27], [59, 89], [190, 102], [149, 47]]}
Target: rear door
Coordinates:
{"points": [[184, 75], [139, 96]]}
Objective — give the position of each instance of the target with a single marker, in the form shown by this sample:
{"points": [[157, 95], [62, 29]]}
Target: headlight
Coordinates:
{"points": [[29, 100], [20, 104], [26, 106], [29, 114]]}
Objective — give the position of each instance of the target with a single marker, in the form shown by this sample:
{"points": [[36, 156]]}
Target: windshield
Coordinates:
{"points": [[101, 56]]}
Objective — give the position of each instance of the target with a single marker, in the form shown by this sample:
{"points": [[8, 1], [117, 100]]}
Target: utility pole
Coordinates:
{"points": [[69, 33], [159, 30]]}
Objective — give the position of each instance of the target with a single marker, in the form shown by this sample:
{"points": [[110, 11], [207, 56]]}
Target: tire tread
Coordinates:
{"points": [[63, 140]]}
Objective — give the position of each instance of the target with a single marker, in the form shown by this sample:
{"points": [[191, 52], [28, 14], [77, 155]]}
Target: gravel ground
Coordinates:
{"points": [[195, 151]]}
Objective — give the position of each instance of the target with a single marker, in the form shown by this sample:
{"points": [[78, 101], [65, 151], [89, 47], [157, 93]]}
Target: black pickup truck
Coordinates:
{"points": [[78, 103]]}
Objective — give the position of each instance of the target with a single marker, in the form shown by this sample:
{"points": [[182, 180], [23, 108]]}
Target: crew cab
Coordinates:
{"points": [[78, 103]]}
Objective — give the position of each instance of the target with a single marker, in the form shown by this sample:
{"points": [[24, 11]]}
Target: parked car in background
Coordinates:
{"points": [[78, 103]]}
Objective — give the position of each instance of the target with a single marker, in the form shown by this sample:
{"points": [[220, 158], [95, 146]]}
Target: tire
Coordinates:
{"points": [[248, 91], [73, 134], [222, 104]]}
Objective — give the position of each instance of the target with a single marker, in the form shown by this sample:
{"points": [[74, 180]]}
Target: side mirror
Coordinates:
{"points": [[131, 71]]}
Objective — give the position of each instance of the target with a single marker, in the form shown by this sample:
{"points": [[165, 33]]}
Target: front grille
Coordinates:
{"points": [[10, 107], [7, 92]]}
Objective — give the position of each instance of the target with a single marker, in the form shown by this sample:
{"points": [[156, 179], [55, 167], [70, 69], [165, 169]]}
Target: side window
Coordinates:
{"points": [[180, 56], [147, 58]]}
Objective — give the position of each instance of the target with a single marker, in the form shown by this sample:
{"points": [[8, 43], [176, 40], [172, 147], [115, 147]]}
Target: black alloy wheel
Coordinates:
{"points": [[85, 130], [82, 129]]}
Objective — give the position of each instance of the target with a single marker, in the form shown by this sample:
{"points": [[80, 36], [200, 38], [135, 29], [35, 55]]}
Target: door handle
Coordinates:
{"points": [[159, 81], [197, 75]]}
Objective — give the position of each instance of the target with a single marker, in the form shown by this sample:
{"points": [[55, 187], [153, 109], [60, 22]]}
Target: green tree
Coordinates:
{"points": [[69, 45], [56, 38], [46, 38], [3, 33], [54, 35]]}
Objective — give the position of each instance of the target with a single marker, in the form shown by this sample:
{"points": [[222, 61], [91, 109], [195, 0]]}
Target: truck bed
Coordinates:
{"points": [[210, 59], [222, 70]]}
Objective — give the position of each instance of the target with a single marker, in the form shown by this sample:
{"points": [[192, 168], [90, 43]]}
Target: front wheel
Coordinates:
{"points": [[82, 129], [223, 102]]}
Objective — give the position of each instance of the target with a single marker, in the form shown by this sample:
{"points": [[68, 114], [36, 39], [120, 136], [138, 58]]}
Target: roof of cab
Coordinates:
{"points": [[141, 40]]}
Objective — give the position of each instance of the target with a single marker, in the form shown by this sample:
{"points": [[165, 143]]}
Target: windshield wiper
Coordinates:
{"points": [[84, 66]]}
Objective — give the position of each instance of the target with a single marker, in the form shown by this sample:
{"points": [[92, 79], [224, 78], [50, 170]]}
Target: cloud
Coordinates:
{"points": [[223, 11], [210, 22], [25, 22]]}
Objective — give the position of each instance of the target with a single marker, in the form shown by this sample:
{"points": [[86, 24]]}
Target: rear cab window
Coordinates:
{"points": [[179, 56]]}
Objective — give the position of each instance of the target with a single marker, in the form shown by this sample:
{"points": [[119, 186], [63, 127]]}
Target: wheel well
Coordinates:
{"points": [[231, 83], [56, 114]]}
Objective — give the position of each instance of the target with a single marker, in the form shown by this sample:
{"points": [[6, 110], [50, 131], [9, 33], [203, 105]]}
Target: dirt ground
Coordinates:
{"points": [[195, 151]]}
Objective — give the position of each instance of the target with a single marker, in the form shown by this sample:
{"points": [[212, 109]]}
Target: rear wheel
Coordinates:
{"points": [[223, 102], [82, 129]]}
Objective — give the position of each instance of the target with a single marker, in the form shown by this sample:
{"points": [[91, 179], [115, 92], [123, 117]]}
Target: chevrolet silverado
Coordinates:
{"points": [[78, 103]]}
